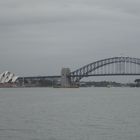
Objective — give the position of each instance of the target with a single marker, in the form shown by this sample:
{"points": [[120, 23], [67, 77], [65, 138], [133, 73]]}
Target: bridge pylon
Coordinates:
{"points": [[65, 78]]}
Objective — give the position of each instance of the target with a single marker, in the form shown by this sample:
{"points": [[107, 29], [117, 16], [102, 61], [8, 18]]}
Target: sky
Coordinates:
{"points": [[39, 37]]}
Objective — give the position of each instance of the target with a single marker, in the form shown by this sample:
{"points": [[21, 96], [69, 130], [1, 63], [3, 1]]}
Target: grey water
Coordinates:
{"points": [[70, 114]]}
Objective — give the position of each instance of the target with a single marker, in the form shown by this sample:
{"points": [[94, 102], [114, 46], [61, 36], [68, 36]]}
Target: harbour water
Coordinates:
{"points": [[70, 114]]}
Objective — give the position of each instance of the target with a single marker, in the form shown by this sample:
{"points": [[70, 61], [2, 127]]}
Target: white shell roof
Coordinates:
{"points": [[7, 76]]}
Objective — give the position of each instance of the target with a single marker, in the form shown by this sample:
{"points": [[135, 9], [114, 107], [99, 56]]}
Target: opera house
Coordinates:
{"points": [[7, 79]]}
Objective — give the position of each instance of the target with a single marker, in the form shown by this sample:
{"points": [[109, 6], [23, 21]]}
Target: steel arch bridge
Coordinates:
{"points": [[114, 66]]}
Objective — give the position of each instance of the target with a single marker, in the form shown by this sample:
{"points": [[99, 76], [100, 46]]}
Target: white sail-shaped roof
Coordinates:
{"points": [[7, 77]]}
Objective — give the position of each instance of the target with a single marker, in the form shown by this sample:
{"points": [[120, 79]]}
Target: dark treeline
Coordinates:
{"points": [[107, 84]]}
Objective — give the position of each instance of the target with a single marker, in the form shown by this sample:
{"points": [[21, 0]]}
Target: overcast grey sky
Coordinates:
{"points": [[39, 37]]}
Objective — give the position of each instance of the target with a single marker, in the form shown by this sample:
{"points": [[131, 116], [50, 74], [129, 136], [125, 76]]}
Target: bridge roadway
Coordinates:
{"points": [[115, 74], [85, 75], [40, 77]]}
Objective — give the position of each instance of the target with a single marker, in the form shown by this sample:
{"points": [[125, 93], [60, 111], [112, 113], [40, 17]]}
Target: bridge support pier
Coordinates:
{"points": [[65, 79]]}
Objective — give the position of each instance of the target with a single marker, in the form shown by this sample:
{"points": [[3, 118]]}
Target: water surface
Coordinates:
{"points": [[70, 114]]}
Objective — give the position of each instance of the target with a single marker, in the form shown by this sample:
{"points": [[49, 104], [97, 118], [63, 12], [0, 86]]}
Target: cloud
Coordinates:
{"points": [[70, 33]]}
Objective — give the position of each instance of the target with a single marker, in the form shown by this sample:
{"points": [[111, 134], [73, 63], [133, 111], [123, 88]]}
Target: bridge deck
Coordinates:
{"points": [[119, 74], [58, 76], [40, 77]]}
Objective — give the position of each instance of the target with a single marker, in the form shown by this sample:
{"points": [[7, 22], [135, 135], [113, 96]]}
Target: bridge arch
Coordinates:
{"points": [[87, 70]]}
